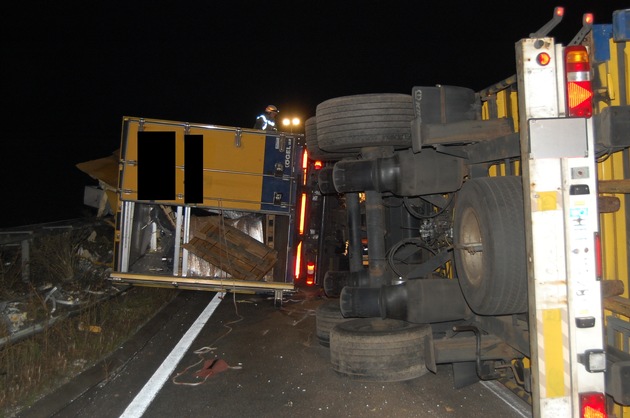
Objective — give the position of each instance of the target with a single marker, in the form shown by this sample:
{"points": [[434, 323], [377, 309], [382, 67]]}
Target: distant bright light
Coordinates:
{"points": [[291, 122]]}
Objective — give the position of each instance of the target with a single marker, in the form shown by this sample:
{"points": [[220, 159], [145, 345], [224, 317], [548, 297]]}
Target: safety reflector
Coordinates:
{"points": [[598, 256], [304, 167], [578, 78], [302, 214], [305, 160], [298, 260], [593, 405]]}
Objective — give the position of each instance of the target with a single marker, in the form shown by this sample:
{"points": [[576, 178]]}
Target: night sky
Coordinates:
{"points": [[72, 70]]}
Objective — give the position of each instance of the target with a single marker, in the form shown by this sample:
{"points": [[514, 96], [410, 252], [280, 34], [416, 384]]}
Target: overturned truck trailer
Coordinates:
{"points": [[207, 207], [493, 224]]}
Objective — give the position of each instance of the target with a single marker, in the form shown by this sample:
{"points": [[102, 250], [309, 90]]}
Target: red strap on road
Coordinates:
{"points": [[212, 367]]}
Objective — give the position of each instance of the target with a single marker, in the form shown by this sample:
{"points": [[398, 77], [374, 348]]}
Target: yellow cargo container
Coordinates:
{"points": [[176, 178]]}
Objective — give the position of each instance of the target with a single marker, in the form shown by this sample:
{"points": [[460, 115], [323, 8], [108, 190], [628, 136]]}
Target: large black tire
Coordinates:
{"points": [[381, 350], [327, 316], [316, 153], [489, 236], [368, 120]]}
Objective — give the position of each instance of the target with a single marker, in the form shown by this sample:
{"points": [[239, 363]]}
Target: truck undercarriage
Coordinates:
{"points": [[441, 211]]}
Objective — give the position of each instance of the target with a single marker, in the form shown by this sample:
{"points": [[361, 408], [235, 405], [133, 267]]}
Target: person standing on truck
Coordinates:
{"points": [[267, 121]]}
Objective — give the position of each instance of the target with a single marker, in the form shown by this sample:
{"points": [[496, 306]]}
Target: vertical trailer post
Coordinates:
{"points": [[561, 220]]}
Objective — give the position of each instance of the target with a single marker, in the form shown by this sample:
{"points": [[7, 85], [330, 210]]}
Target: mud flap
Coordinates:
{"points": [[429, 354]]}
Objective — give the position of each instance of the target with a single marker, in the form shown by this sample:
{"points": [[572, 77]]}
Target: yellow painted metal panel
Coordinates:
{"points": [[232, 173], [233, 163], [553, 353], [130, 152], [613, 226]]}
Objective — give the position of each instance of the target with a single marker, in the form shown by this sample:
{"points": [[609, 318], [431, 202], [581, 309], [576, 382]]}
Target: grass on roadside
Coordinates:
{"points": [[66, 281], [34, 367]]}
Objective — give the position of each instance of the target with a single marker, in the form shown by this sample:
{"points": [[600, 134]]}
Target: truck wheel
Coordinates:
{"points": [[327, 316], [316, 153], [489, 235], [369, 120], [382, 350]]}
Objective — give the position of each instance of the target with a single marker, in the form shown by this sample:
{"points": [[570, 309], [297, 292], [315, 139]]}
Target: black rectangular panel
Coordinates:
{"points": [[156, 165], [193, 168]]}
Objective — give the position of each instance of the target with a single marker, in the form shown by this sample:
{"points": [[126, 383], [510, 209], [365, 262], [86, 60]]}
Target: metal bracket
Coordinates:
{"points": [[282, 143], [278, 170], [482, 374], [558, 13], [237, 137], [587, 25], [278, 297]]}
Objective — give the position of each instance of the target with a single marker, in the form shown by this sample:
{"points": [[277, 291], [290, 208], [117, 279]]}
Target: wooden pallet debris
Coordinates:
{"points": [[231, 250]]}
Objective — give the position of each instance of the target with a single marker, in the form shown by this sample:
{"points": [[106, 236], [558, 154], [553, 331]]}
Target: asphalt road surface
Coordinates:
{"points": [[247, 356]]}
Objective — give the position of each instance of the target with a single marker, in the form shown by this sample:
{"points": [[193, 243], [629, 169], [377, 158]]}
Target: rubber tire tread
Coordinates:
{"points": [[350, 123], [382, 350], [312, 146], [498, 205], [327, 316]]}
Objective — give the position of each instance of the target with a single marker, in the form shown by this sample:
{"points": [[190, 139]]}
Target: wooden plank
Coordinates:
{"points": [[608, 204], [234, 244], [618, 304], [614, 186], [235, 237], [231, 262], [231, 250], [612, 288]]}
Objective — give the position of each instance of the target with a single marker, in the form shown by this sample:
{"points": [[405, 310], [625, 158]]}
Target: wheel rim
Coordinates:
{"points": [[471, 247]]}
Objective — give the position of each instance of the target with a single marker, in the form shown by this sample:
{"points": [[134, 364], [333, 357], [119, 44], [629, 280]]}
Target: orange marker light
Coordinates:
{"points": [[298, 260], [543, 59], [588, 18]]}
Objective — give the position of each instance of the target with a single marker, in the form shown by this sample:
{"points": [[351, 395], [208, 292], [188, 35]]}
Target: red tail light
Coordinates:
{"points": [[310, 273], [593, 405], [318, 165], [578, 78]]}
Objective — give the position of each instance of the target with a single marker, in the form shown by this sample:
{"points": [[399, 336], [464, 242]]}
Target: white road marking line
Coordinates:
{"points": [[143, 399]]}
